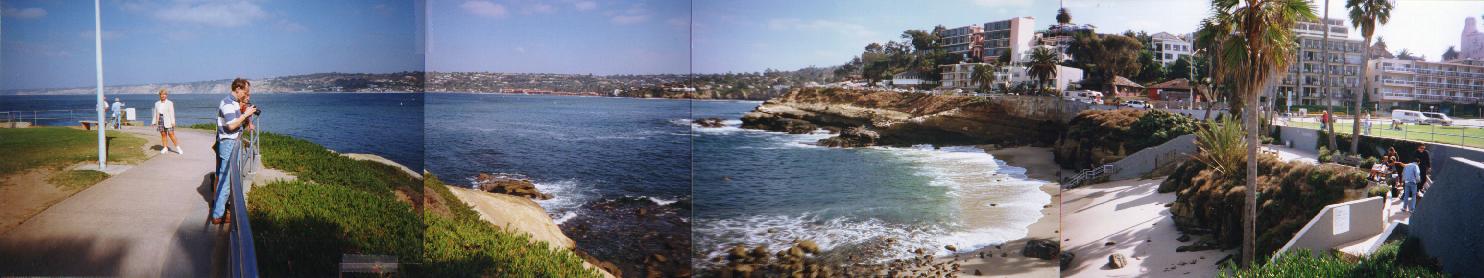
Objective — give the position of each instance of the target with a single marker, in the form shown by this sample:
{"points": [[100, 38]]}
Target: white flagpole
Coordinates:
{"points": [[98, 52]]}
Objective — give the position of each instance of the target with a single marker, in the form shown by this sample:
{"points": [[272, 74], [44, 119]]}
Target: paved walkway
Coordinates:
{"points": [[149, 221]]}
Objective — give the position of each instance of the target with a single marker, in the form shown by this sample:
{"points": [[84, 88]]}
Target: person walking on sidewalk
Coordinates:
{"points": [[1411, 176], [231, 119], [164, 122]]}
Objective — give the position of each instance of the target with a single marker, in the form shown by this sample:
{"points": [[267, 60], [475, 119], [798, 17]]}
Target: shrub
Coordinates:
{"points": [[1385, 262], [1326, 155], [1222, 147], [1156, 127]]}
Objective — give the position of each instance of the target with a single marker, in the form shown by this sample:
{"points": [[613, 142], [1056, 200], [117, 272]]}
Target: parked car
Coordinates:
{"points": [[1085, 96], [1438, 119], [1136, 104], [1409, 117]]}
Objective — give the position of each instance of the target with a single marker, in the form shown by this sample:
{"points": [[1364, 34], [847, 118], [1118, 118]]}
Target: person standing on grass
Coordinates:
{"points": [[231, 119], [1411, 175], [164, 121]]}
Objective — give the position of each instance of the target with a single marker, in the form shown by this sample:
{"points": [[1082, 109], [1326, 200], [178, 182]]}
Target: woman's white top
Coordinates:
{"points": [[164, 114]]}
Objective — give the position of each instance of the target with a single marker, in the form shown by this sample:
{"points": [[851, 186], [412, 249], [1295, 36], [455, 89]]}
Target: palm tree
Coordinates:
{"points": [[984, 74], [1366, 15], [1042, 65], [1063, 17], [1212, 33], [1263, 45]]}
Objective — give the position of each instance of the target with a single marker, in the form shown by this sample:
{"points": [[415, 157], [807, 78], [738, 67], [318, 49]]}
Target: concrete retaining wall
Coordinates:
{"points": [[1341, 223], [1146, 160], [1302, 138], [1450, 219]]}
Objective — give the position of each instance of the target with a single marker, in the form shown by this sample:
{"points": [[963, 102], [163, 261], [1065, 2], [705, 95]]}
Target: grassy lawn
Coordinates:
{"points": [[27, 148], [76, 179], [1466, 136]]}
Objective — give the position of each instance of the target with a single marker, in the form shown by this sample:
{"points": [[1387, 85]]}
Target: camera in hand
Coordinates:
{"points": [[258, 111]]}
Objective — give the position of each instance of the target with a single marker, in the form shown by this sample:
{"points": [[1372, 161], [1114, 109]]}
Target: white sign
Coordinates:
{"points": [[1341, 219]]}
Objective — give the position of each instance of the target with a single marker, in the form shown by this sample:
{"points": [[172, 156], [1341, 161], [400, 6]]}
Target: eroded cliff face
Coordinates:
{"points": [[903, 119]]}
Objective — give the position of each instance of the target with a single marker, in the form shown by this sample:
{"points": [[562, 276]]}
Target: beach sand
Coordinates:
{"points": [[1131, 215], [1005, 260]]}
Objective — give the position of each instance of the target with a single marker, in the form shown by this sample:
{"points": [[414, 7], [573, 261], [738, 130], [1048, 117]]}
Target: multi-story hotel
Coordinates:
{"points": [[963, 40], [1410, 84], [1015, 35], [1316, 71], [1168, 48]]}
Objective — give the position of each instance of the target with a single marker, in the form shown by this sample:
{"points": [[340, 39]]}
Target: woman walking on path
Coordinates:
{"points": [[164, 121]]}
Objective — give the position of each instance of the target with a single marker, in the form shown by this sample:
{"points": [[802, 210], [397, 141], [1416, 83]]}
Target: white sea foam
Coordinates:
{"points": [[660, 201]]}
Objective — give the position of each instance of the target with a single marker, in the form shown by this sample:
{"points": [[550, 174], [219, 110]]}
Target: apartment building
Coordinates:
{"points": [[963, 40], [1168, 48], [1410, 84], [1015, 35], [1318, 71]]}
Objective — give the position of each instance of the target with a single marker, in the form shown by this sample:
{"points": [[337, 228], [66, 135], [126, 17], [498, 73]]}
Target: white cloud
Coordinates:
{"points": [[634, 14], [586, 5], [1003, 3], [484, 8], [213, 13], [539, 8], [107, 35], [23, 13], [820, 25]]}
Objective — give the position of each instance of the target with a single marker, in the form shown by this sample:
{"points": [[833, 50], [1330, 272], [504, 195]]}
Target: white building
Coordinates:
{"points": [[1015, 35], [1409, 84], [1472, 41], [960, 75], [910, 78], [1168, 48], [1015, 75]]}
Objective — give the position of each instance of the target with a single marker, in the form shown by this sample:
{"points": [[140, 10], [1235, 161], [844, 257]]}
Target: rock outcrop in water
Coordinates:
{"points": [[709, 122], [509, 185], [902, 119], [852, 138]]}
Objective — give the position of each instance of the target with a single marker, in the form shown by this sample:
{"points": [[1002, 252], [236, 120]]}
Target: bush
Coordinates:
{"points": [[1385, 262], [1157, 127], [1096, 137], [1291, 193], [1326, 155]]}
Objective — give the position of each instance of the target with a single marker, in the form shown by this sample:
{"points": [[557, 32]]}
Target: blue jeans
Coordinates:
{"points": [[224, 150], [1409, 196]]}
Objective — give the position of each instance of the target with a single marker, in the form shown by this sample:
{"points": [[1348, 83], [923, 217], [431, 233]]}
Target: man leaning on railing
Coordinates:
{"points": [[232, 117]]}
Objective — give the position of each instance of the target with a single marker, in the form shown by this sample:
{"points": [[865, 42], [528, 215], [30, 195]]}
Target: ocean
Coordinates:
{"points": [[388, 125], [757, 187]]}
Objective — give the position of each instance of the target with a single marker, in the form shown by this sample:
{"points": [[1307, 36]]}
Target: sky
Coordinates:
{"points": [[559, 36], [49, 43], [749, 36]]}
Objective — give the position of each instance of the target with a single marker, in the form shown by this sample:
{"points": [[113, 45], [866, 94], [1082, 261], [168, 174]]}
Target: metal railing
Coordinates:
{"points": [[1088, 175], [242, 260], [44, 117], [1435, 133]]}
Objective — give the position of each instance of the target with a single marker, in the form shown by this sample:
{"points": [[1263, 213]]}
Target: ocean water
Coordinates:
{"points": [[602, 159], [389, 125], [756, 187]]}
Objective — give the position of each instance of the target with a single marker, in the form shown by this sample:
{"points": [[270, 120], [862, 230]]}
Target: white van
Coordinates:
{"points": [[1409, 116], [1438, 118], [1085, 96]]}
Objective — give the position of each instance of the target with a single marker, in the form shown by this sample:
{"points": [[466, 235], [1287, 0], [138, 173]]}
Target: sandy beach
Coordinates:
{"points": [[1005, 260], [1128, 217]]}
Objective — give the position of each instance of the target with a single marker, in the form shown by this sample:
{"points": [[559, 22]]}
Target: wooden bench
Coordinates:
{"points": [[88, 125]]}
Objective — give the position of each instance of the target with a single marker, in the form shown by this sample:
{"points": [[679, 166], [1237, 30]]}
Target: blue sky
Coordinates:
{"points": [[743, 36], [49, 43], [559, 36]]}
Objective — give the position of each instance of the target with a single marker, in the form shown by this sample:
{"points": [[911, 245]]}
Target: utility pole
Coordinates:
{"points": [[98, 55]]}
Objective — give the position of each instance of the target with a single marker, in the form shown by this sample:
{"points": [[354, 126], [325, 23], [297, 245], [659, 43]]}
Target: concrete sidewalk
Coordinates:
{"points": [[149, 221]]}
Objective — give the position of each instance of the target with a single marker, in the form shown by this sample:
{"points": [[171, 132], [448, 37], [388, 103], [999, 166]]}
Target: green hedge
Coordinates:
{"points": [[1386, 262]]}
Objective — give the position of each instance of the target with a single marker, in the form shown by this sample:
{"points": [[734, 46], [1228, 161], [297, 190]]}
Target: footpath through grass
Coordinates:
{"points": [[56, 147], [1454, 135]]}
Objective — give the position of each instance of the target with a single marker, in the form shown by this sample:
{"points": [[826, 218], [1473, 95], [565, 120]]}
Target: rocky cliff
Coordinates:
{"points": [[901, 119]]}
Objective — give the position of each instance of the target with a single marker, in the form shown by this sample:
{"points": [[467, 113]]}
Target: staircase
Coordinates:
{"points": [[1088, 175]]}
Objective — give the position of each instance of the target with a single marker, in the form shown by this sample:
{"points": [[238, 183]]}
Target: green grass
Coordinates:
{"points": [[1386, 262], [312, 162], [302, 228], [27, 148], [458, 244], [1466, 136], [73, 179]]}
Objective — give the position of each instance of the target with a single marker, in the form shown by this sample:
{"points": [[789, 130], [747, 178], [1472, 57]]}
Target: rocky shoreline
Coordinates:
{"points": [[903, 119], [641, 226]]}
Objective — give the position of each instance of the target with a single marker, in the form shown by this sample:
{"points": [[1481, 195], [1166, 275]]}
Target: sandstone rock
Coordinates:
{"points": [[951, 248], [709, 122], [1044, 249], [1066, 259], [509, 185], [852, 138], [1117, 261]]}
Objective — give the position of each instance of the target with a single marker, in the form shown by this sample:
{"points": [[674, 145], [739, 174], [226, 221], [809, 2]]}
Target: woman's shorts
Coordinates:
{"points": [[162, 128]]}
